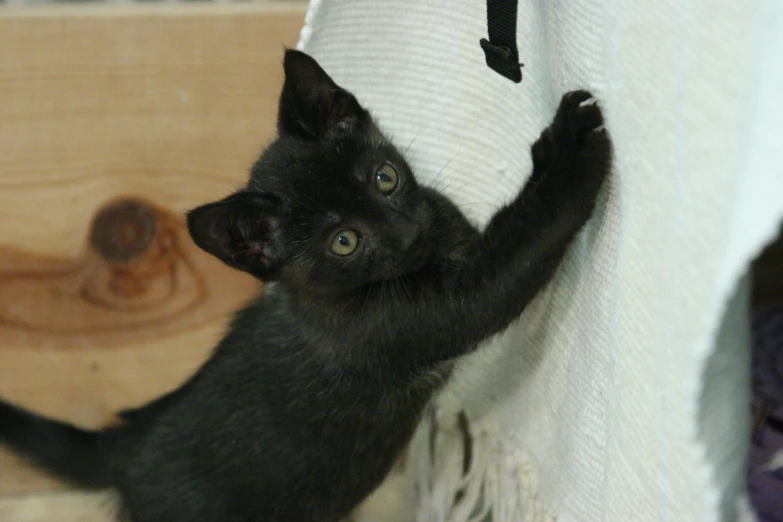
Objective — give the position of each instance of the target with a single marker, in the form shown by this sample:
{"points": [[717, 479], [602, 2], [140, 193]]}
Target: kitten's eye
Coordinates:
{"points": [[386, 179], [344, 243]]}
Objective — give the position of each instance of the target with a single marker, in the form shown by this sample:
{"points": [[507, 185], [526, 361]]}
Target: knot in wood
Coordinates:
{"points": [[123, 230]]}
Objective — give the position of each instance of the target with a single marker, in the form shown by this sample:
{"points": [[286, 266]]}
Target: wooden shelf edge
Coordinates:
{"points": [[144, 9]]}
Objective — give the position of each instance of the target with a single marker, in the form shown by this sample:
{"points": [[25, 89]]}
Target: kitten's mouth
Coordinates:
{"points": [[419, 253]]}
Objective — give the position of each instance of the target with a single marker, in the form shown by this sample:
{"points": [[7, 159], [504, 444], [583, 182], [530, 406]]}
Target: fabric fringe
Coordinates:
{"points": [[472, 477]]}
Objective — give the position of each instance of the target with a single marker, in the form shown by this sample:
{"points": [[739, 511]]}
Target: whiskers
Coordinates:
{"points": [[437, 181], [405, 151]]}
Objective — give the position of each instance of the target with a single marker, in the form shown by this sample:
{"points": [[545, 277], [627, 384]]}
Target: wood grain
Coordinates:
{"points": [[66, 506], [163, 106]]}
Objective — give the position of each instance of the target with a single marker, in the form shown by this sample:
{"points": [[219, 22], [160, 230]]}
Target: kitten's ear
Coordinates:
{"points": [[311, 104], [243, 231]]}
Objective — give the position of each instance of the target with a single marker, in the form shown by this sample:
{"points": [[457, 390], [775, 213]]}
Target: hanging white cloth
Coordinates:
{"points": [[596, 406]]}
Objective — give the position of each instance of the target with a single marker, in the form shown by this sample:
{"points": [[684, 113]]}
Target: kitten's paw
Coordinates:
{"points": [[575, 150], [578, 118], [578, 132], [578, 115]]}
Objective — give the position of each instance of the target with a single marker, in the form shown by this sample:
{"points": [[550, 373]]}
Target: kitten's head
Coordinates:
{"points": [[331, 204]]}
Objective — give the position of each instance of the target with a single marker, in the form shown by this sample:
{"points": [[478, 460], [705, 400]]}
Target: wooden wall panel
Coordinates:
{"points": [[164, 106]]}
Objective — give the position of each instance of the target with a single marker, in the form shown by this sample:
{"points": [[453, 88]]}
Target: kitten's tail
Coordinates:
{"points": [[60, 448]]}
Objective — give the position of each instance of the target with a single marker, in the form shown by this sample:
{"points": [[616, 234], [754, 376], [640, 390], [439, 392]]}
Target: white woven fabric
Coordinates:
{"points": [[593, 407]]}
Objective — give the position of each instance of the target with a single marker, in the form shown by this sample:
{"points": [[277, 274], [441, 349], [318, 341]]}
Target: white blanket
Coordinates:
{"points": [[596, 406]]}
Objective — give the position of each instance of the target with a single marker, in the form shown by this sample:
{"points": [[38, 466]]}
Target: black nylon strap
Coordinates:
{"points": [[501, 49]]}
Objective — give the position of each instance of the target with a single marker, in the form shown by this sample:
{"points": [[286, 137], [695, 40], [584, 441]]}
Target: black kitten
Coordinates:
{"points": [[379, 285]]}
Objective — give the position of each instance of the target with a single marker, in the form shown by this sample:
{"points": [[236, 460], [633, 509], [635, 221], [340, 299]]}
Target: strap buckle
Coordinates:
{"points": [[502, 60]]}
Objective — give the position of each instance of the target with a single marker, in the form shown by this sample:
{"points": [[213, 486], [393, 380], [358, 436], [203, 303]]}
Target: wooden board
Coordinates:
{"points": [[64, 506], [105, 304]]}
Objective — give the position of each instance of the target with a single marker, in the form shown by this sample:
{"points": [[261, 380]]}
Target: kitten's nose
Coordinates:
{"points": [[409, 232]]}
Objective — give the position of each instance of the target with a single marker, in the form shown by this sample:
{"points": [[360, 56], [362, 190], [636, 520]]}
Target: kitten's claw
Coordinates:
{"points": [[589, 101], [573, 99]]}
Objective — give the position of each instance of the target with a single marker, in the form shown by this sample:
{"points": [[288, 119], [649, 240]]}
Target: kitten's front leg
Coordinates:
{"points": [[571, 158], [526, 240]]}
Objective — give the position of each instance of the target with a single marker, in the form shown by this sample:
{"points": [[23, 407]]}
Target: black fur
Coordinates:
{"points": [[318, 385]]}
